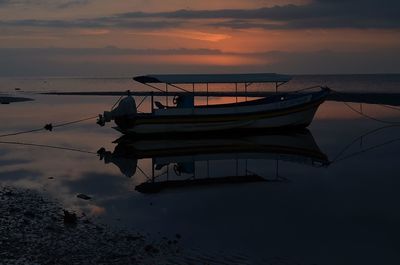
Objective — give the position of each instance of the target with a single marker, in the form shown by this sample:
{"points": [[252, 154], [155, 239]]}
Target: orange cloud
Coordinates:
{"points": [[173, 59], [186, 34], [94, 31]]}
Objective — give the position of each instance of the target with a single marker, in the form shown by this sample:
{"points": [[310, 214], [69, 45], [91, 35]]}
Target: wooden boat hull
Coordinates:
{"points": [[290, 111]]}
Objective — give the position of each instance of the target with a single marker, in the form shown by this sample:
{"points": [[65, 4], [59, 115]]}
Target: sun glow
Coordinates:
{"points": [[173, 59], [94, 31], [189, 34]]}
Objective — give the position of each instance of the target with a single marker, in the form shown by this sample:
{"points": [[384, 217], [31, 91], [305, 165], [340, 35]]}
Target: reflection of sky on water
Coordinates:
{"points": [[347, 211]]}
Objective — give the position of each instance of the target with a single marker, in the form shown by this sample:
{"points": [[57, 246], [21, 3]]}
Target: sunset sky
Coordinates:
{"points": [[121, 37]]}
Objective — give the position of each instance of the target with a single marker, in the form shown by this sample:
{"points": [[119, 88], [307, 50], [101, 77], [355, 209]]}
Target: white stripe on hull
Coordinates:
{"points": [[301, 118], [282, 104]]}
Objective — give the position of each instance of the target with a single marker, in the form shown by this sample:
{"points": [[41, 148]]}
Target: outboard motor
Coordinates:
{"points": [[123, 114], [126, 164]]}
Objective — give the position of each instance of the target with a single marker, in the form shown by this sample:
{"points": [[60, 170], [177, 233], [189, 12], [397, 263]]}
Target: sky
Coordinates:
{"points": [[122, 38]]}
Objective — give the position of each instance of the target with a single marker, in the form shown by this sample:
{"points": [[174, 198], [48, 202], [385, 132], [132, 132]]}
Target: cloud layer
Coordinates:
{"points": [[354, 35], [324, 14], [48, 3]]}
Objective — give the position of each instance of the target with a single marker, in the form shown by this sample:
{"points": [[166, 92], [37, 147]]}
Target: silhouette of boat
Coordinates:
{"points": [[183, 154], [282, 110]]}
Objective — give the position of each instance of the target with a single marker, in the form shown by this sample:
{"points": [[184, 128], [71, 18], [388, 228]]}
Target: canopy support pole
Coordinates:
{"points": [[207, 94], [152, 102], [245, 89], [236, 89], [166, 95], [194, 98], [277, 85], [141, 102]]}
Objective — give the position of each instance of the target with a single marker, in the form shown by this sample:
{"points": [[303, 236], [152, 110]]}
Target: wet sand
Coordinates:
{"points": [[33, 231]]}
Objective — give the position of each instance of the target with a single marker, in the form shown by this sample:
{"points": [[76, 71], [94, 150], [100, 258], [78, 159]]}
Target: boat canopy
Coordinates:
{"points": [[213, 78]]}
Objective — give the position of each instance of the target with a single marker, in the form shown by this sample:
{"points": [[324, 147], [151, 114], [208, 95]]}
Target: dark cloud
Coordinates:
{"points": [[317, 14], [5, 2], [72, 3], [93, 23], [47, 3], [110, 50]]}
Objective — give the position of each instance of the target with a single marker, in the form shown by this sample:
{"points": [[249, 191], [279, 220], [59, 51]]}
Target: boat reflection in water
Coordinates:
{"points": [[183, 154]]}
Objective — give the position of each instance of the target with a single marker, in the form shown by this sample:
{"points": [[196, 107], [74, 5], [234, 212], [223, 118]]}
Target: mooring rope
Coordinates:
{"points": [[347, 147], [366, 150], [390, 107], [48, 127], [368, 116], [73, 122], [22, 132], [307, 88], [49, 146]]}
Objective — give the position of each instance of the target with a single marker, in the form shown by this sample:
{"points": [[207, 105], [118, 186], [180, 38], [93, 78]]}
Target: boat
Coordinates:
{"points": [[278, 110], [179, 158]]}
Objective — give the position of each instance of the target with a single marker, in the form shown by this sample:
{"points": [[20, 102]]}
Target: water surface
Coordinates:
{"points": [[337, 203]]}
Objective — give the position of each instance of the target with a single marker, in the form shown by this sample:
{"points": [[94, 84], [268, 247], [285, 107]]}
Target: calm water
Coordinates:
{"points": [[306, 212]]}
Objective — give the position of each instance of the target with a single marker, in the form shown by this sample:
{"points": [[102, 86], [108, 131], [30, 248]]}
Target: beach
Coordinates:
{"points": [[34, 231]]}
